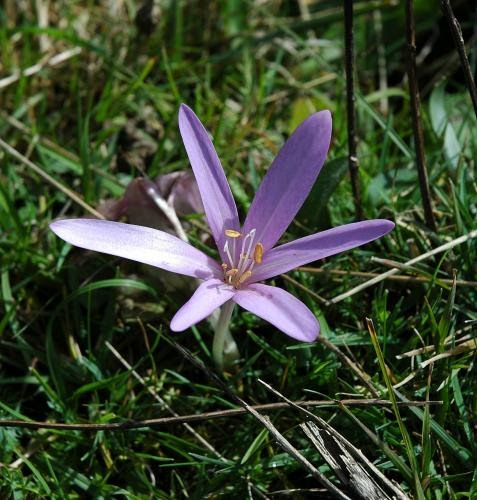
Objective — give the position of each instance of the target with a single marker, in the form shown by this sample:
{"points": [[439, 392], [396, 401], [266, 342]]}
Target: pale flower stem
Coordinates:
{"points": [[224, 348]]}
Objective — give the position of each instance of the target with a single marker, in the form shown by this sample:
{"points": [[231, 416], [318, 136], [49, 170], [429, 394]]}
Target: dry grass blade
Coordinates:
{"points": [[264, 420], [293, 492], [296, 283], [357, 474], [432, 347], [163, 403], [350, 465], [464, 348], [291, 450], [363, 376], [402, 279], [167, 209], [52, 61], [442, 248], [71, 194], [35, 138]]}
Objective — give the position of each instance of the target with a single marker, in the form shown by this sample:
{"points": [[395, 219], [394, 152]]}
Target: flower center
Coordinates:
{"points": [[240, 264]]}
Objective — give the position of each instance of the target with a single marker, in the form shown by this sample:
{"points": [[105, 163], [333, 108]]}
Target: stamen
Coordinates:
{"points": [[227, 252], [231, 233], [244, 277], [245, 255], [258, 253], [250, 254]]}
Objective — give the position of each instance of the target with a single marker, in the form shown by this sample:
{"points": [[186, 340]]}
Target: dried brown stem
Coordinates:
{"points": [[199, 417], [403, 279], [416, 118], [351, 108]]}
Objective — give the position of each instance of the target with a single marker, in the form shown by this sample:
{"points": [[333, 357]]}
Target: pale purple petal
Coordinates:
{"points": [[142, 244], [281, 309], [289, 179], [318, 246], [210, 295], [219, 205]]}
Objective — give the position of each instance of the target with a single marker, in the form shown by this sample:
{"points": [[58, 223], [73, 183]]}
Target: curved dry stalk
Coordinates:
{"points": [[416, 118], [32, 166], [351, 109]]}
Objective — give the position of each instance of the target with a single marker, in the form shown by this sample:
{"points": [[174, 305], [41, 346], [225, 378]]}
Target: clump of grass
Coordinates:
{"points": [[84, 338]]}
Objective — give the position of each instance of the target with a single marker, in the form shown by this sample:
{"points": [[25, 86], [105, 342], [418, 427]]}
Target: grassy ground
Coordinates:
{"points": [[84, 338]]}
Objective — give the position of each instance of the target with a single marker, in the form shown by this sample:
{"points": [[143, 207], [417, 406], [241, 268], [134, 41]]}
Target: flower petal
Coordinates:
{"points": [[289, 179], [210, 295], [320, 245], [281, 309], [219, 205], [142, 244]]}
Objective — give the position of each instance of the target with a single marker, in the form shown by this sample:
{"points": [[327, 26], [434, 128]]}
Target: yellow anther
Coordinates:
{"points": [[232, 272], [245, 276], [258, 253], [231, 233]]}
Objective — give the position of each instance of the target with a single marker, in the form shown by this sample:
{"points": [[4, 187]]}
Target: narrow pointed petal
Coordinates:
{"points": [[320, 245], [142, 244], [219, 205], [289, 179], [210, 295], [281, 309]]}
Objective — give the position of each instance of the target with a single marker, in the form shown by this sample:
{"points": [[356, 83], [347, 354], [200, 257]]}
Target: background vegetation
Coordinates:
{"points": [[89, 93]]}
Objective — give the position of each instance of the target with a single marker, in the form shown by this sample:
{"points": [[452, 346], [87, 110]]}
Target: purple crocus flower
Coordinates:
{"points": [[248, 254]]}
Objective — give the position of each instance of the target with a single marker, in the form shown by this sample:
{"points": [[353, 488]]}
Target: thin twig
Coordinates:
{"points": [[363, 376], [320, 299], [200, 417], [351, 108], [71, 194], [404, 279], [416, 118], [35, 138], [454, 27], [391, 272]]}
